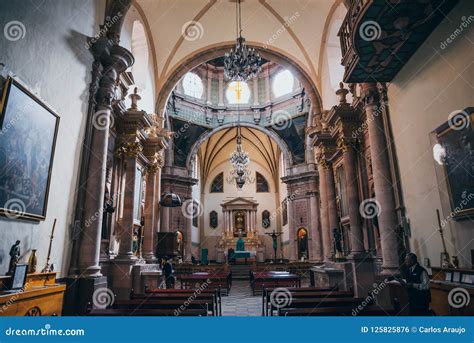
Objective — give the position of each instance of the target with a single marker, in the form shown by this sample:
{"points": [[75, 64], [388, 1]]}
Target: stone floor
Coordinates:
{"points": [[240, 301]]}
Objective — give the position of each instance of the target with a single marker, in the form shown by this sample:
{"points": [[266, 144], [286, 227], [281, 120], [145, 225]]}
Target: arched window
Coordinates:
{"points": [[217, 185], [192, 85], [262, 184], [238, 92], [283, 83]]}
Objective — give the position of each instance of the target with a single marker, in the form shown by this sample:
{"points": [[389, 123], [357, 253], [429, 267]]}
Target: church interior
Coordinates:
{"points": [[236, 158]]}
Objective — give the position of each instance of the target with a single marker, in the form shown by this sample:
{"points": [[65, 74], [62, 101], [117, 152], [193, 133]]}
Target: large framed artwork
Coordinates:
{"points": [[28, 131], [453, 152]]}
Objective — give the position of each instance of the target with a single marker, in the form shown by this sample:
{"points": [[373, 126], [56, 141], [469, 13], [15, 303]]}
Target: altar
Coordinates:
{"points": [[240, 222]]}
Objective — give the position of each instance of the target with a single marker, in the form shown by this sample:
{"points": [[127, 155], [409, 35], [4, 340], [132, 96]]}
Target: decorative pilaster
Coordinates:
{"points": [[317, 246], [325, 229], [292, 230], [382, 179]]}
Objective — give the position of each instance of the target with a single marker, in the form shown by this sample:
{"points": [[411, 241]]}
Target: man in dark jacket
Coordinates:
{"points": [[418, 287], [168, 271]]}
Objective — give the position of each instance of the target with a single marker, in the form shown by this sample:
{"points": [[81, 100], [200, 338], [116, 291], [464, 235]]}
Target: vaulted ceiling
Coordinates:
{"points": [[293, 28]]}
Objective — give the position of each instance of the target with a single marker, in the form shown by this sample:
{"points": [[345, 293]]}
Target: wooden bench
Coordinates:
{"points": [[302, 293], [164, 304], [260, 280], [313, 303], [183, 296], [337, 311], [147, 312], [222, 281]]}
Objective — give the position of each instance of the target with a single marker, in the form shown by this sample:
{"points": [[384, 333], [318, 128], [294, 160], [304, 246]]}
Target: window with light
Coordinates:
{"points": [[192, 85], [283, 83], [238, 92]]}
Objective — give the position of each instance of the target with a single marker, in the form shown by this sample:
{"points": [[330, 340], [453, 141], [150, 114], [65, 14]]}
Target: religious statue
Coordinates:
{"points": [[14, 257], [135, 98], [274, 235], [240, 222]]}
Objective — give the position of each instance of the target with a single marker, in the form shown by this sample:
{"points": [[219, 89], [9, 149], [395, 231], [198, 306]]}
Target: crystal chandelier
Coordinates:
{"points": [[242, 63], [240, 160]]}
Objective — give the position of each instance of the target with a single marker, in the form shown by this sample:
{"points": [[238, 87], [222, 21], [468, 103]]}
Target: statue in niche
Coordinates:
{"points": [[213, 219], [14, 257], [337, 243]]}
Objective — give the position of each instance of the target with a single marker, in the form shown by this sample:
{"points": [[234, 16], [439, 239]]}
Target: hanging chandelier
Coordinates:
{"points": [[241, 63], [239, 160]]}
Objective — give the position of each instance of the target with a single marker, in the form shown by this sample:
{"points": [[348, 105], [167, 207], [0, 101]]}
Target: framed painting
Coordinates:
{"points": [[28, 132], [453, 152]]}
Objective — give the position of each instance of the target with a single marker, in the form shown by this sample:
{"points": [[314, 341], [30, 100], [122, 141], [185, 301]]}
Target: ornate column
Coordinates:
{"points": [[314, 227], [350, 173], [292, 230], [188, 249], [325, 229], [209, 85], [267, 85], [89, 247], [382, 179]]}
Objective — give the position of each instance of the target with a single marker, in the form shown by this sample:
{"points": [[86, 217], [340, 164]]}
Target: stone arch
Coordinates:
{"points": [[205, 136], [270, 53]]}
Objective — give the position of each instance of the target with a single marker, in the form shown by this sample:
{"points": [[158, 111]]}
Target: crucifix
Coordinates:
{"points": [[237, 88], [274, 235]]}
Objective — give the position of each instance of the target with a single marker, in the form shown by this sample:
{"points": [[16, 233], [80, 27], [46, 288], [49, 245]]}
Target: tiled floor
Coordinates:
{"points": [[240, 301]]}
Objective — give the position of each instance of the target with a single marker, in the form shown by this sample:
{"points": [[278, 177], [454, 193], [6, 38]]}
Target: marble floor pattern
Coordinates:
{"points": [[240, 302]]}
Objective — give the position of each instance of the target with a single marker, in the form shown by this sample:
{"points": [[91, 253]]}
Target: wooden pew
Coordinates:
{"points": [[163, 304], [147, 312], [184, 296], [221, 281], [307, 292], [260, 280], [337, 311], [312, 303], [216, 292]]}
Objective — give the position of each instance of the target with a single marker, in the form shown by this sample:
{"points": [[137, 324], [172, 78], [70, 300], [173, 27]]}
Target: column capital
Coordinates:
{"points": [[370, 94], [130, 149], [345, 144]]}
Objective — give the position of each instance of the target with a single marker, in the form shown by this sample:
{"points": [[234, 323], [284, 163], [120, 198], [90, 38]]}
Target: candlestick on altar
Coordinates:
{"points": [[47, 267]]}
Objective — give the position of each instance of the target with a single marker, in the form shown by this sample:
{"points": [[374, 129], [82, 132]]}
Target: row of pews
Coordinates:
{"points": [[200, 295], [310, 301], [261, 279]]}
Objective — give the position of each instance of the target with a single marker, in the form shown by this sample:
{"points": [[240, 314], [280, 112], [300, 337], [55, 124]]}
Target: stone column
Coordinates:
{"points": [[126, 223], [255, 91], [382, 179], [221, 88], [317, 247], [331, 201], [267, 85], [292, 230], [153, 168], [89, 248], [209, 86], [189, 241], [325, 230], [350, 173]]}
